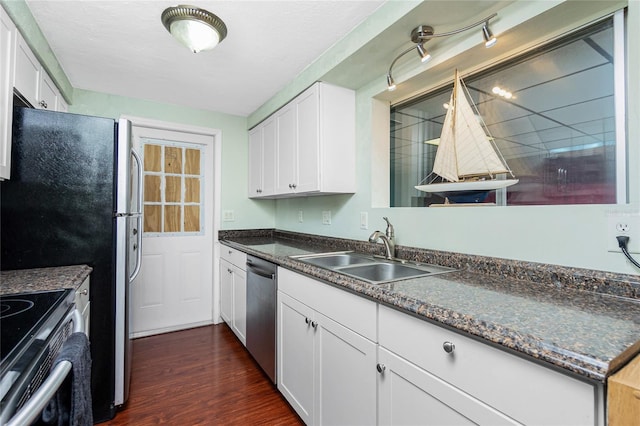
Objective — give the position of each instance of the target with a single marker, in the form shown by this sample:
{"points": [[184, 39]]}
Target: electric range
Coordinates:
{"points": [[31, 334]]}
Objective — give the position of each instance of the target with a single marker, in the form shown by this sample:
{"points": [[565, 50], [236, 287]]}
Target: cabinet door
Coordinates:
{"points": [[286, 181], [255, 162], [239, 322], [269, 152], [27, 72], [296, 355], [308, 141], [226, 292], [345, 375], [8, 33], [48, 95], [409, 395]]}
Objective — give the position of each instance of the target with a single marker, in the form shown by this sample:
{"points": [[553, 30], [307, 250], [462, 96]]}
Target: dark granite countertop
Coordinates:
{"points": [[557, 319], [43, 279]]}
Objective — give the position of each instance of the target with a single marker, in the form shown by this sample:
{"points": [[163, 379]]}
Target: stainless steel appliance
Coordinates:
{"points": [[74, 198], [261, 313], [34, 327]]}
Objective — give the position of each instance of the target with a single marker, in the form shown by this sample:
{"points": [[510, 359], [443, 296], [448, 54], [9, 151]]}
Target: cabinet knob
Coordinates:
{"points": [[314, 324], [307, 320], [380, 368], [229, 270], [43, 104], [448, 347], [294, 186], [85, 291]]}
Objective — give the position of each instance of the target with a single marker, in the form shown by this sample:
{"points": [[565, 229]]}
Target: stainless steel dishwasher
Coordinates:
{"points": [[261, 313]]}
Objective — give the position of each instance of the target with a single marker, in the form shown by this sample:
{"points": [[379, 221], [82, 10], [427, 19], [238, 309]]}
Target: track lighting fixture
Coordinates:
{"points": [[423, 33]]}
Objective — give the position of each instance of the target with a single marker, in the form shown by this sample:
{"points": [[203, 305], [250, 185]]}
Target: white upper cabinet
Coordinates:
{"points": [[8, 34], [20, 70], [314, 148], [27, 73], [262, 160]]}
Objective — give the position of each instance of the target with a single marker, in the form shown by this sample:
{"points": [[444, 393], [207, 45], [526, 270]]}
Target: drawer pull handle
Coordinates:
{"points": [[448, 347], [381, 368]]}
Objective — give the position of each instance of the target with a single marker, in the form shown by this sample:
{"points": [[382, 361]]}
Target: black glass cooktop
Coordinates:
{"points": [[22, 315]]}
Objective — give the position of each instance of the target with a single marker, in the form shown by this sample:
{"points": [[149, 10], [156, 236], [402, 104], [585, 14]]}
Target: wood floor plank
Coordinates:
{"points": [[201, 376]]}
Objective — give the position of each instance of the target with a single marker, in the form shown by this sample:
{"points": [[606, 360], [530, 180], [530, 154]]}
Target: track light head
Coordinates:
{"points": [[489, 38], [422, 52], [391, 85]]}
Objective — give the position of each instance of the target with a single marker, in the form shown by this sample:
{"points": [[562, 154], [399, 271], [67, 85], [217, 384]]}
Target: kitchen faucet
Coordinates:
{"points": [[387, 239]]}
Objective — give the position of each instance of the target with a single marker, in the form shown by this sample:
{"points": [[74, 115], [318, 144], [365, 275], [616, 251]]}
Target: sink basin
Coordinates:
{"points": [[384, 272], [337, 260], [370, 268]]}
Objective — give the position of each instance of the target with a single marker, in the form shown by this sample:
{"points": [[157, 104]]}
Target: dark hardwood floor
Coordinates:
{"points": [[201, 376]]}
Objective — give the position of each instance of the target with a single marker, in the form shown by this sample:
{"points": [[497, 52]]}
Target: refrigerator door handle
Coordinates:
{"points": [[138, 229]]}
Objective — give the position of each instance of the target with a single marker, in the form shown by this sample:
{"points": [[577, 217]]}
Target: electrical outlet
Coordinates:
{"points": [[228, 216], [364, 220], [623, 224], [300, 216], [326, 217]]}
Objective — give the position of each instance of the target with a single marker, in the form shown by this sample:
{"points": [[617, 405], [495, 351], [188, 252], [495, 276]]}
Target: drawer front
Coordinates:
{"points": [[523, 390], [233, 256], [353, 312]]}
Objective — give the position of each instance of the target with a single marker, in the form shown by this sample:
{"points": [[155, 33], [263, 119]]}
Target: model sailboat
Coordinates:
{"points": [[467, 162]]}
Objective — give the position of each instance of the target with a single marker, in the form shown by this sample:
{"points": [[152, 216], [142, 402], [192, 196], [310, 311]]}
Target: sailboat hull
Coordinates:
{"points": [[476, 185]]}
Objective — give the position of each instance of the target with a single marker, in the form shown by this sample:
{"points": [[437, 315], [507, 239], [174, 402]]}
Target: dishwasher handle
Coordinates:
{"points": [[259, 271]]}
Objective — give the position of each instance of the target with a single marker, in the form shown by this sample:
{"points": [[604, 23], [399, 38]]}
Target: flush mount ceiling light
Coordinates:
{"points": [[196, 28], [423, 33]]}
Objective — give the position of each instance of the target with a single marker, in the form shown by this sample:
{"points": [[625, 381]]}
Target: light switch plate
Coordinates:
{"points": [[326, 217], [300, 216], [228, 216], [364, 220]]}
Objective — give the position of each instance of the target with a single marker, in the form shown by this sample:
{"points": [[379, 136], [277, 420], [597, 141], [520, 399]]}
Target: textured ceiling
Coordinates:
{"points": [[121, 47]]}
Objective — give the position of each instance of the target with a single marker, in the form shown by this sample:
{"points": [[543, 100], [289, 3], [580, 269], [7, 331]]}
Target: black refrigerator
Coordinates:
{"points": [[73, 198]]}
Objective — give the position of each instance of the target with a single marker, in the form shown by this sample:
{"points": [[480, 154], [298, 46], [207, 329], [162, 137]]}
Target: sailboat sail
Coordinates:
{"points": [[465, 151]]}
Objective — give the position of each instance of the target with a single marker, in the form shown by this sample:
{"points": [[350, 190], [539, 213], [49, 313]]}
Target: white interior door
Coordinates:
{"points": [[174, 289]]}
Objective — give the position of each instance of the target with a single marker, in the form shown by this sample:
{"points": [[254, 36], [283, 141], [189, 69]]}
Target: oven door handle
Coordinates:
{"points": [[39, 400]]}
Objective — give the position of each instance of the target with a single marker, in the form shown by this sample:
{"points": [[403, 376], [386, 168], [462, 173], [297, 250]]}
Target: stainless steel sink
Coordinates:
{"points": [[379, 272], [331, 261], [372, 268]]}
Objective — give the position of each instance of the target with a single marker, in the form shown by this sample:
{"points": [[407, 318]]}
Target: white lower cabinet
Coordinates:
{"points": [[233, 292], [326, 369], [450, 375], [409, 395], [83, 303]]}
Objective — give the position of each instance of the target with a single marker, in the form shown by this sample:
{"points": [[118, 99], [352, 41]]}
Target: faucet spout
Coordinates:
{"points": [[388, 242]]}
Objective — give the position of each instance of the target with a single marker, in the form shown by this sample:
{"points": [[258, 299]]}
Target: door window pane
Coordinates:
{"points": [[173, 187], [550, 112]]}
